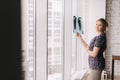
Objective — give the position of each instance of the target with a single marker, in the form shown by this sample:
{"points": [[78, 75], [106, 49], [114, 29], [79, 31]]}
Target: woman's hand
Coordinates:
{"points": [[78, 35], [87, 48], [83, 42]]}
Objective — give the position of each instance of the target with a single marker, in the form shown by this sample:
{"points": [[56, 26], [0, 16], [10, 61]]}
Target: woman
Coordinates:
{"points": [[95, 49]]}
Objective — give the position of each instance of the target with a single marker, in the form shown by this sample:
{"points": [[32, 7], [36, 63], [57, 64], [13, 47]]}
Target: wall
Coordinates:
{"points": [[113, 48]]}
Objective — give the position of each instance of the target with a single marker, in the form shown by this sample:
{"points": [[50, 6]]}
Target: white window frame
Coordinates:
{"points": [[41, 39], [67, 39], [41, 51]]}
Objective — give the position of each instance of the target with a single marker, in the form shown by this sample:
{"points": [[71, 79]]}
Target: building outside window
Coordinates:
{"points": [[55, 39]]}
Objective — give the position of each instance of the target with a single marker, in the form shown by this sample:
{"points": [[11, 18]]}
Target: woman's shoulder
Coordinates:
{"points": [[100, 39], [102, 36]]}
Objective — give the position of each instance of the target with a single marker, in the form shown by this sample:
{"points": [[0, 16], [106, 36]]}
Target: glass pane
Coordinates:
{"points": [[74, 41], [28, 39], [55, 39], [31, 40]]}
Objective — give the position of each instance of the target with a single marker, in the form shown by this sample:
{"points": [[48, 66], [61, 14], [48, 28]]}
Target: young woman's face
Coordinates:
{"points": [[99, 26]]}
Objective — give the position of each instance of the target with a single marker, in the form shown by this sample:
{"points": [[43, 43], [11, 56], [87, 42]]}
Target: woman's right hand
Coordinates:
{"points": [[78, 35], [83, 42]]}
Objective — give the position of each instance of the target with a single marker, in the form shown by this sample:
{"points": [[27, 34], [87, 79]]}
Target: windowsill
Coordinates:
{"points": [[79, 75]]}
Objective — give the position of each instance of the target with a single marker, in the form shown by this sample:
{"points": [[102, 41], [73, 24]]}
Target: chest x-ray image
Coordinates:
{"points": [[77, 25]]}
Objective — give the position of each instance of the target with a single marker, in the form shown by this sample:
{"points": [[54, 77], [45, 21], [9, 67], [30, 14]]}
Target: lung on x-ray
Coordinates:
{"points": [[77, 25]]}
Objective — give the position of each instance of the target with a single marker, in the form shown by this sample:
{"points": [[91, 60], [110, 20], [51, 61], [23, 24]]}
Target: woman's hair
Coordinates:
{"points": [[103, 21]]}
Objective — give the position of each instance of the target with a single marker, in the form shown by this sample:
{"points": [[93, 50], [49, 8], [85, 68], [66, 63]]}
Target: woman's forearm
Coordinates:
{"points": [[85, 45]]}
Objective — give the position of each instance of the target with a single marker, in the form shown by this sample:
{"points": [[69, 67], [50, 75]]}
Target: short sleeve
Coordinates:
{"points": [[100, 41]]}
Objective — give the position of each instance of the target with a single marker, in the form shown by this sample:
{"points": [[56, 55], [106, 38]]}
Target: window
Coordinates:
{"points": [[28, 38], [74, 40], [55, 39]]}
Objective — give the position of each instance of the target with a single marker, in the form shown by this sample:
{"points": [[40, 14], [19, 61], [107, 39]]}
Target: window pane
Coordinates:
{"points": [[74, 41], [55, 39], [28, 38]]}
